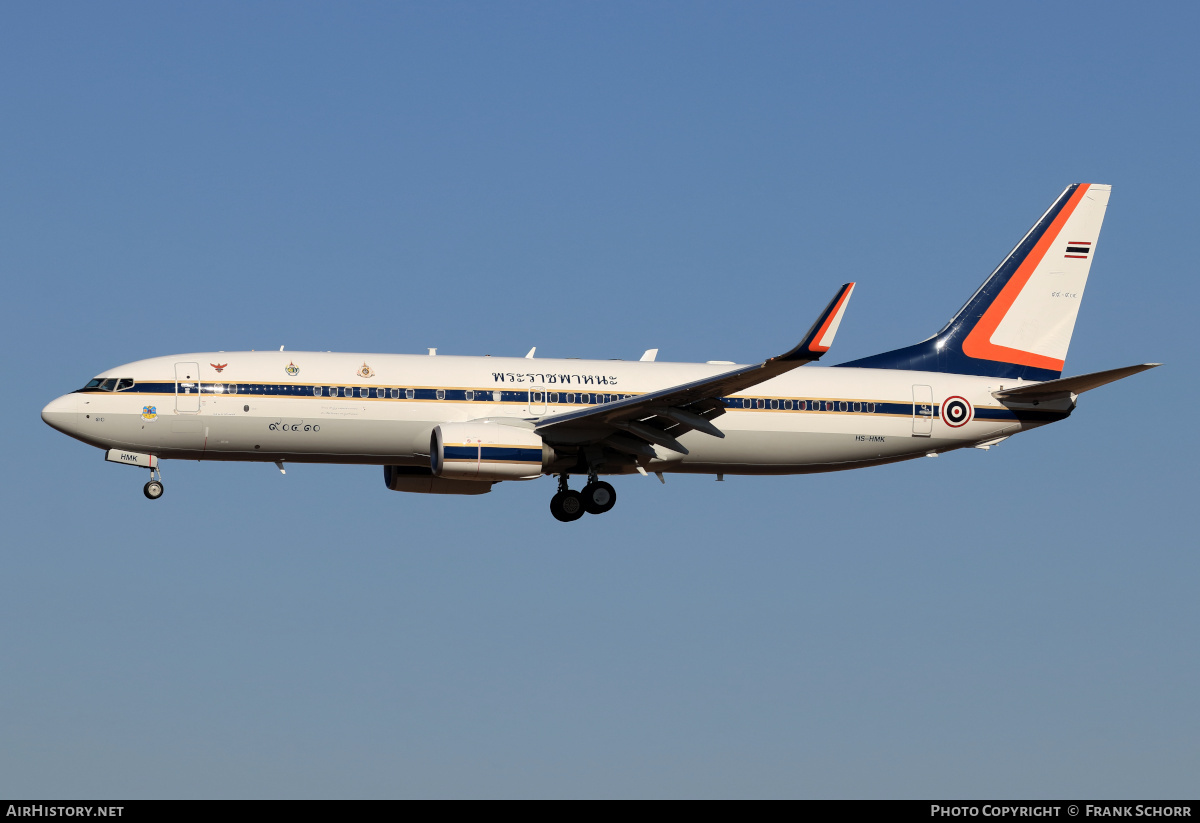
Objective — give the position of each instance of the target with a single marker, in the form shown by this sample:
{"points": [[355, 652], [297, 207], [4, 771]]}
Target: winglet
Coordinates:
{"points": [[820, 336]]}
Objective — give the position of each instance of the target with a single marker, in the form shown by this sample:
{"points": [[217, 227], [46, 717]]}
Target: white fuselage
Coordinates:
{"points": [[381, 408]]}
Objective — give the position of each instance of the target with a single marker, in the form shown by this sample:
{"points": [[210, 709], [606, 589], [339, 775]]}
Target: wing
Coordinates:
{"points": [[636, 424]]}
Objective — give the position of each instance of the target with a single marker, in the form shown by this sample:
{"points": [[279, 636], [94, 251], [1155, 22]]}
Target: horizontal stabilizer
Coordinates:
{"points": [[1070, 385]]}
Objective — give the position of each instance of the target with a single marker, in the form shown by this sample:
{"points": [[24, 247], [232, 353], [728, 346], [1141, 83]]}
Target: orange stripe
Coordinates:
{"points": [[813, 346], [978, 343]]}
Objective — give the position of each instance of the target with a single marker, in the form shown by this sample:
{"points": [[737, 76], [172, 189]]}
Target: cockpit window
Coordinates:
{"points": [[108, 384]]}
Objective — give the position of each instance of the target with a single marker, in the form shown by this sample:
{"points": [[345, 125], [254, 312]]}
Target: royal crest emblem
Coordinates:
{"points": [[218, 367], [149, 412], [365, 371], [292, 369]]}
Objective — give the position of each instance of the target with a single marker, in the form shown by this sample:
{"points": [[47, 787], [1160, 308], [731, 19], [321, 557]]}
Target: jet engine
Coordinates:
{"points": [[420, 480], [479, 450]]}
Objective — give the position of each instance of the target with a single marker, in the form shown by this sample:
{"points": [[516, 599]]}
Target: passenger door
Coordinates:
{"points": [[922, 411], [187, 388]]}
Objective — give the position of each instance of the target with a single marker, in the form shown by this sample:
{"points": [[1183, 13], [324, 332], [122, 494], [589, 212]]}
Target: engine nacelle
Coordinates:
{"points": [[478, 450], [420, 480]]}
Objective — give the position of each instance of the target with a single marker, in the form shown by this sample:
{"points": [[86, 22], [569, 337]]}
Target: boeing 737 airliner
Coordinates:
{"points": [[457, 425]]}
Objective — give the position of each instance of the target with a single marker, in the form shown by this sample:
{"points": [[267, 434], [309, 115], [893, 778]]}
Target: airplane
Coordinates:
{"points": [[458, 425]]}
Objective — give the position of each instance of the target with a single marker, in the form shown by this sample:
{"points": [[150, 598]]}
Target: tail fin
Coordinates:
{"points": [[1019, 323]]}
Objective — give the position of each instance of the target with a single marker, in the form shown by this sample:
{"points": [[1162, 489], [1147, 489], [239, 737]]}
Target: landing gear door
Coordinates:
{"points": [[187, 388], [922, 411]]}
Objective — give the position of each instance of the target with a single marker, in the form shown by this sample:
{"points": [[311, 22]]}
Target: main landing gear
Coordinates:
{"points": [[154, 489], [597, 497]]}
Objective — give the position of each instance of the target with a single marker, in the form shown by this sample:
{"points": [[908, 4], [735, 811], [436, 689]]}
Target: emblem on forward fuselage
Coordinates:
{"points": [[365, 371], [292, 369], [149, 412], [219, 367]]}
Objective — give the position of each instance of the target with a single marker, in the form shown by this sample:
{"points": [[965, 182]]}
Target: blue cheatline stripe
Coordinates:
{"points": [[512, 454], [479, 396], [799, 405], [508, 454]]}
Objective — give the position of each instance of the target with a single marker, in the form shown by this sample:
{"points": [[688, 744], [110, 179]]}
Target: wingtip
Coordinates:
{"points": [[820, 336], [822, 339]]}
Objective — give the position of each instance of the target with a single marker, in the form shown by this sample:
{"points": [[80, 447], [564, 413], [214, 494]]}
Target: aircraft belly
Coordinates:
{"points": [[794, 450], [305, 440], [758, 445]]}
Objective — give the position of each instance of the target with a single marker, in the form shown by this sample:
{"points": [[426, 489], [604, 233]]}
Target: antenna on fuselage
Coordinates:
{"points": [[530, 355]]}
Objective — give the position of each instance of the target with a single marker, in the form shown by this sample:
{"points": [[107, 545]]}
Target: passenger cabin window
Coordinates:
{"points": [[469, 395], [410, 393], [364, 392], [395, 394], [441, 394], [318, 391]]}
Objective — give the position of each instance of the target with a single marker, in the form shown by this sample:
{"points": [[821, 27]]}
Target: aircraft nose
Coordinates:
{"points": [[61, 413]]}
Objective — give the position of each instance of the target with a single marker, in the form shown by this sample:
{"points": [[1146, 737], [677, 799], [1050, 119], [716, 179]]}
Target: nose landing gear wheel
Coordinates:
{"points": [[567, 506], [598, 497], [153, 490]]}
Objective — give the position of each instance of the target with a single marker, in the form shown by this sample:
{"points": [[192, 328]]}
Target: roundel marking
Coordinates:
{"points": [[956, 411]]}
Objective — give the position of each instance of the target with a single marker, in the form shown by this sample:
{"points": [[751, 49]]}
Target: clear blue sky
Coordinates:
{"points": [[594, 179]]}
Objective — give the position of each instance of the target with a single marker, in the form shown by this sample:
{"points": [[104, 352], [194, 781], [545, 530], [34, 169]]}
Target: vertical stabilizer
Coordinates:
{"points": [[1019, 323]]}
